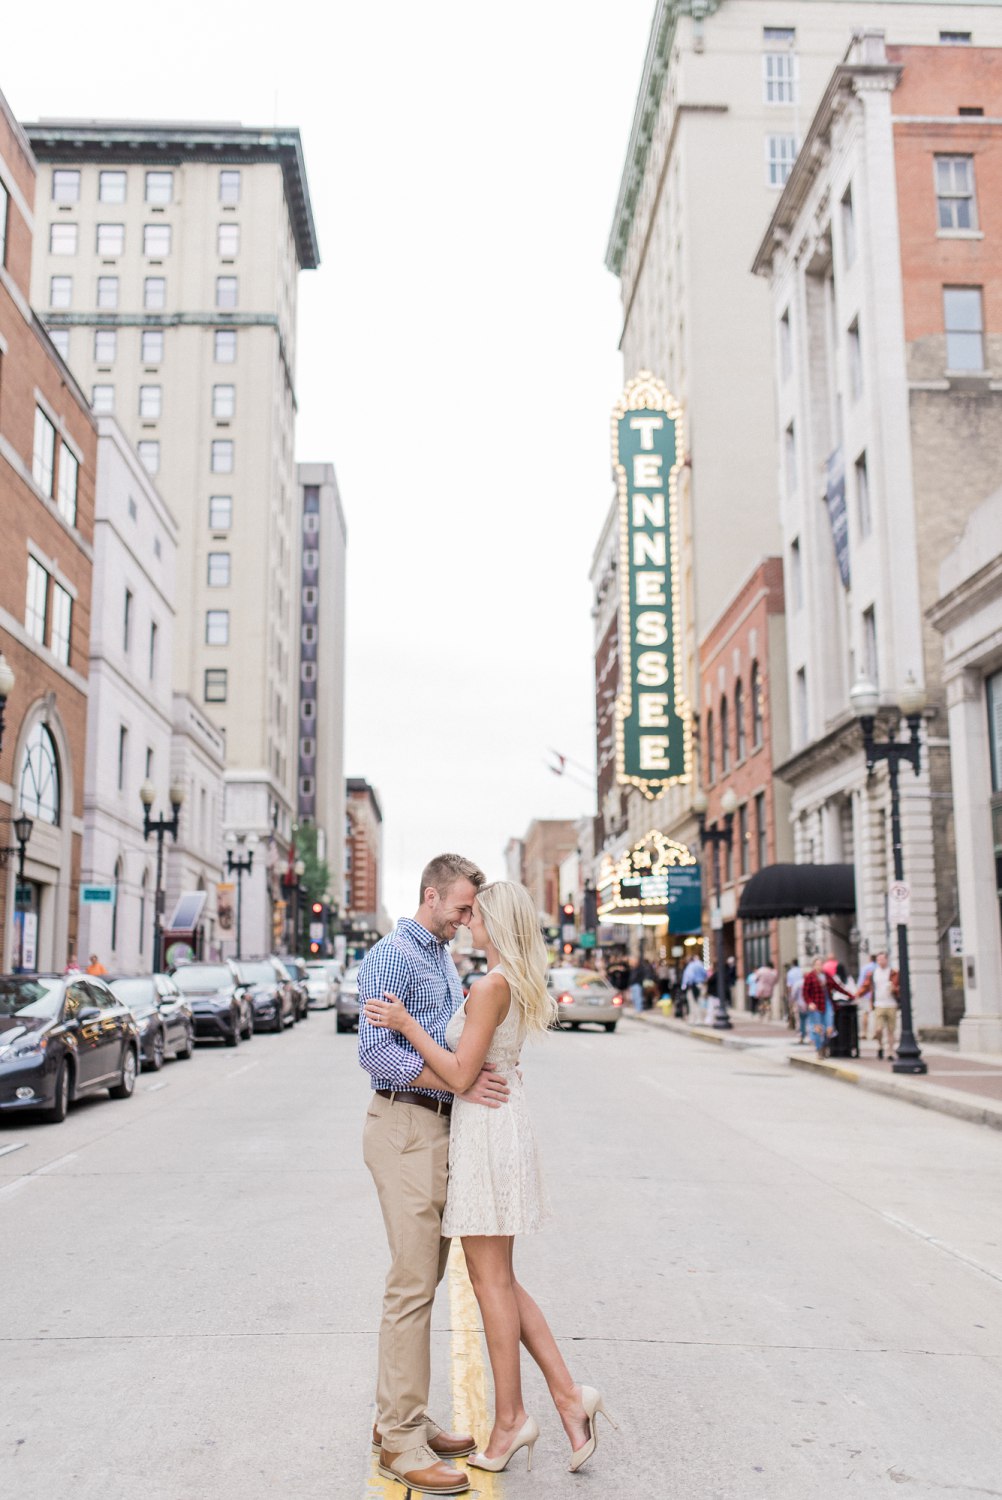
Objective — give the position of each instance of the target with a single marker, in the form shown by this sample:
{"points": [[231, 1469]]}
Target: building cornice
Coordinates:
{"points": [[154, 143], [971, 594]]}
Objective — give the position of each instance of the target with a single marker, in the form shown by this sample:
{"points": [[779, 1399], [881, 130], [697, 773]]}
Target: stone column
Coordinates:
{"points": [[981, 1026]]}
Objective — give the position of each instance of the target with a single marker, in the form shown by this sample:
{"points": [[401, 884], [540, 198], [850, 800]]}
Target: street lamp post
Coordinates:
{"points": [[22, 826], [160, 826], [865, 701], [715, 837], [240, 866]]}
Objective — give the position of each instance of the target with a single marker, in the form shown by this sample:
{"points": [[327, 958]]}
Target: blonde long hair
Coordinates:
{"points": [[513, 928]]}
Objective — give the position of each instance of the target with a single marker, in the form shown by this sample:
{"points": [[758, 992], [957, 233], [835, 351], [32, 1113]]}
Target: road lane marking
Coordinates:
{"points": [[930, 1239], [52, 1165], [151, 1088], [20, 1182], [469, 1377], [245, 1069], [17, 1146]]}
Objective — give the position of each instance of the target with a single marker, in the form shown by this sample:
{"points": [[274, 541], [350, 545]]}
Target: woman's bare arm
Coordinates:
{"points": [[456, 1070]]}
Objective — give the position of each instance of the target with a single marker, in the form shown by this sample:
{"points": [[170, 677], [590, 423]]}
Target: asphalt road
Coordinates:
{"points": [[785, 1290]]}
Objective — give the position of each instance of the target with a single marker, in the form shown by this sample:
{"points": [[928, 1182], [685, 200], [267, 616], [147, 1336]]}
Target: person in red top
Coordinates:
{"points": [[819, 987]]}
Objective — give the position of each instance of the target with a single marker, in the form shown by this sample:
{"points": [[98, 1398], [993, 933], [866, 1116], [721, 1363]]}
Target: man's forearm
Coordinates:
{"points": [[429, 1079]]}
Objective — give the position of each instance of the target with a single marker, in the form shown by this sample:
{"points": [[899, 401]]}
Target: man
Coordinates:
{"points": [[693, 978], [865, 994], [406, 1148], [794, 992], [883, 984], [96, 966]]}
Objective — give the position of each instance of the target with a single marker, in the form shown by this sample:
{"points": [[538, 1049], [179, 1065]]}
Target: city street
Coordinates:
{"points": [[784, 1290]]}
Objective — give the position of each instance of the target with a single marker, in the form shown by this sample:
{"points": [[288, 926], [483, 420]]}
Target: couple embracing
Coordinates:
{"points": [[449, 1144]]}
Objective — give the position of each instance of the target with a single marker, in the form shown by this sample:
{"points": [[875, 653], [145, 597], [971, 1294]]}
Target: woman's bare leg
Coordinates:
{"points": [[539, 1341], [488, 1260]]}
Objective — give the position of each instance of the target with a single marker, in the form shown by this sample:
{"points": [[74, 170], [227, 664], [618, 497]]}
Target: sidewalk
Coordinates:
{"points": [[968, 1087]]}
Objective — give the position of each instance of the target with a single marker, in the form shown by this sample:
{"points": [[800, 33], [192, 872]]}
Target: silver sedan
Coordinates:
{"points": [[584, 998]]}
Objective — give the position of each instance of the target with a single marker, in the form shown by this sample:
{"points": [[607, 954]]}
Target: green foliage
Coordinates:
{"points": [[317, 877]]}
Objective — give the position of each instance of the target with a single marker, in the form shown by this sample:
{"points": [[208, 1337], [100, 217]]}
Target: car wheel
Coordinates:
{"points": [[233, 1040], [610, 1025], [56, 1114], [130, 1067], [248, 1030], [185, 1051], [156, 1060]]}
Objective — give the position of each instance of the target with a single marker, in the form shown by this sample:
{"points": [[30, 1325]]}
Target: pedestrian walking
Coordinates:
{"points": [[619, 974], [819, 990], [794, 994], [751, 992], [693, 979], [865, 993], [882, 985], [766, 978], [495, 1190], [637, 986]]}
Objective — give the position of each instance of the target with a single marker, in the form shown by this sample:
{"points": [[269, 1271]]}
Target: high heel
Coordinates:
{"points": [[591, 1400], [526, 1437]]}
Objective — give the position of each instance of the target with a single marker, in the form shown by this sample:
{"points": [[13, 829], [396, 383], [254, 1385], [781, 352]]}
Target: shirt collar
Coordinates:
{"points": [[418, 932]]}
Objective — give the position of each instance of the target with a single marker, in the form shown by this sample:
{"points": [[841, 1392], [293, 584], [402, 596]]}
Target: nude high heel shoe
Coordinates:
{"points": [[591, 1400], [526, 1437]]}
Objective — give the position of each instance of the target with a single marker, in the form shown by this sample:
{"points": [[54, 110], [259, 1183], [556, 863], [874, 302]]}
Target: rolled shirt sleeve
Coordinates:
{"points": [[385, 1055]]}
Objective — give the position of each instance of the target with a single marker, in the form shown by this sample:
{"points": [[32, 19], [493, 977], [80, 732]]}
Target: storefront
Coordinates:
{"points": [[653, 894]]}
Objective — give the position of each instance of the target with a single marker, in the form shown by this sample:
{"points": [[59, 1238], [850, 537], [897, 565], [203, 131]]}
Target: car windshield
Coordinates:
{"points": [[579, 979], [138, 994], [257, 973], [27, 995], [199, 979]]}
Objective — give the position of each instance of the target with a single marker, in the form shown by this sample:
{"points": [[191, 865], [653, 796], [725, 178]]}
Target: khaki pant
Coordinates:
{"points": [[885, 1017], [406, 1148]]}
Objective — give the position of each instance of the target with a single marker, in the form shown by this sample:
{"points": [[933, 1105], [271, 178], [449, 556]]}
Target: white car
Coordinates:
{"points": [[584, 997], [322, 977], [347, 1000]]}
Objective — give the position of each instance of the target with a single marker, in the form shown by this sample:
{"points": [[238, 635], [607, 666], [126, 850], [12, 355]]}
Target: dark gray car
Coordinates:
{"points": [[163, 1015]]}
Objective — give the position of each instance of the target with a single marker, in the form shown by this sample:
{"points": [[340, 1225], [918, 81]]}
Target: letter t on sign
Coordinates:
{"points": [[647, 427]]}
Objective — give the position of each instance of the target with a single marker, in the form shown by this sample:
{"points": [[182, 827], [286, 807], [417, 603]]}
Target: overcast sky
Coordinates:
{"points": [[457, 350]]}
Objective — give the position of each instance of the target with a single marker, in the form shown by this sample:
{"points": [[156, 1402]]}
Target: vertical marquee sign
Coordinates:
{"points": [[652, 715]]}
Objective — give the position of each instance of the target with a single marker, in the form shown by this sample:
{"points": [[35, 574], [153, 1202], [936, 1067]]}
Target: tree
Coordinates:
{"points": [[317, 876]]}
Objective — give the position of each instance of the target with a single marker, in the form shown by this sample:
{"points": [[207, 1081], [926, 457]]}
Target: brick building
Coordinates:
{"points": [[363, 854], [548, 841], [48, 446]]}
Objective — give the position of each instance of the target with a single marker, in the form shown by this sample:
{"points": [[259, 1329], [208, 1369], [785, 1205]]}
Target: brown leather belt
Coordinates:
{"points": [[408, 1096]]}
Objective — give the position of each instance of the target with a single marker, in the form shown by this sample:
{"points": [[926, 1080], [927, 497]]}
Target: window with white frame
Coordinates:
{"points": [[65, 185], [847, 218], [107, 293], [149, 455], [864, 514], [785, 346], [955, 39], [855, 349], [102, 399], [796, 575], [308, 671], [224, 402], [69, 479], [105, 346], [780, 154], [63, 238], [229, 187], [111, 187], [62, 619], [154, 293], [152, 347], [61, 340], [43, 452], [219, 570], [225, 346], [779, 64], [220, 512], [790, 458], [217, 627], [36, 601], [870, 645], [956, 209], [159, 188], [61, 291], [309, 709], [222, 456], [228, 240], [156, 241], [110, 239], [800, 705], [151, 402], [226, 291], [964, 320]]}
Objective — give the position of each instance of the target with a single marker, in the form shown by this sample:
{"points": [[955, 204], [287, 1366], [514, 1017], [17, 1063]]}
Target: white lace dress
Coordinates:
{"points": [[495, 1183]]}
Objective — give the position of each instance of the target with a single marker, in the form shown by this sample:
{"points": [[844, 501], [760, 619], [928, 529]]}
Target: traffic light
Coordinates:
{"points": [[568, 910], [568, 948], [318, 909]]}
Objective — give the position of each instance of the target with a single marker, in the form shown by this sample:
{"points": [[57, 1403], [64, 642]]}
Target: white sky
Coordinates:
{"points": [[457, 350]]}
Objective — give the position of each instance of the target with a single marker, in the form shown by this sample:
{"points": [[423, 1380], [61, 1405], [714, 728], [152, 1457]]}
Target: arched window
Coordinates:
{"points": [[725, 739], [114, 907], [711, 751], [142, 910], [756, 707], [38, 789], [739, 719]]}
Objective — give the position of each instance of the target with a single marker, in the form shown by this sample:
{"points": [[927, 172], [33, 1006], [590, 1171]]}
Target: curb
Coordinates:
{"points": [[925, 1095], [682, 1028]]}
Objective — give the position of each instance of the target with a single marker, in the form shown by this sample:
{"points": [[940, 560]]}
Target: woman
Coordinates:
{"points": [[495, 1186]]}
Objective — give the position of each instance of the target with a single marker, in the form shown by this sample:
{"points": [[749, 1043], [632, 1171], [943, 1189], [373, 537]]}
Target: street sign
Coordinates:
{"points": [[97, 895], [29, 939], [586, 940], [716, 918], [956, 942], [899, 902]]}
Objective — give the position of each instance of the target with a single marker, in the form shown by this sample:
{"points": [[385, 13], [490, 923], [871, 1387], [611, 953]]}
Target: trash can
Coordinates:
{"points": [[845, 1042]]}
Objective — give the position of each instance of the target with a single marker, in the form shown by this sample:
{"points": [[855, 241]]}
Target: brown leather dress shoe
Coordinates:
{"points": [[434, 1479], [443, 1444]]}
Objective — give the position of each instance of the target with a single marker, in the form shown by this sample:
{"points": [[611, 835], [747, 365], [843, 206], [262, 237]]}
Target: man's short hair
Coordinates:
{"points": [[445, 869]]}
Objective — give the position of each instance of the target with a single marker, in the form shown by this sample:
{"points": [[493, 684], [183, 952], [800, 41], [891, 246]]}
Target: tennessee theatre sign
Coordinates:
{"points": [[652, 715]]}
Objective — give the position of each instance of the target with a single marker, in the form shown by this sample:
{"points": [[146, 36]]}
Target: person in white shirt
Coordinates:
{"points": [[882, 984]]}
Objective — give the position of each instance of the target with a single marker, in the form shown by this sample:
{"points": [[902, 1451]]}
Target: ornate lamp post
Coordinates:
{"points": [[7, 681], [865, 701], [715, 837], [240, 866], [160, 826]]}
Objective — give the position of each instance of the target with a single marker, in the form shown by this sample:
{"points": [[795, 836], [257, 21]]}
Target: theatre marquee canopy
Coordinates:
{"points": [[655, 883]]}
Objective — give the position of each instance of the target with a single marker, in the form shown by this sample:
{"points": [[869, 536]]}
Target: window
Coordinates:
{"points": [[38, 786], [309, 635], [43, 453], [796, 576], [964, 325], [148, 771], [155, 293], [61, 341], [102, 399], [69, 475], [149, 455], [159, 187], [226, 291], [308, 671], [220, 512], [848, 221], [36, 604], [739, 720], [110, 239], [780, 154], [225, 346], [855, 361], [309, 709], [105, 345], [729, 863], [725, 738], [111, 187], [311, 525], [228, 240], [219, 570], [779, 65], [955, 205], [214, 690], [955, 38], [800, 705], [864, 516], [870, 645], [152, 346], [62, 616], [150, 402], [107, 293], [127, 621], [993, 690], [62, 238], [156, 240], [154, 642], [224, 401], [785, 346], [756, 707], [61, 291], [4, 216], [229, 188], [761, 833], [222, 456], [744, 839], [217, 627], [123, 755], [65, 186], [790, 458]]}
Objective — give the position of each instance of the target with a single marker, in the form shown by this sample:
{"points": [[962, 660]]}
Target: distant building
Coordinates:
{"points": [[197, 761], [547, 843], [514, 855], [364, 856]]}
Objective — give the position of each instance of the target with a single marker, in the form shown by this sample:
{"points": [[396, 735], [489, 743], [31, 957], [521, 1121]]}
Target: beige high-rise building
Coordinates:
{"points": [[166, 267]]}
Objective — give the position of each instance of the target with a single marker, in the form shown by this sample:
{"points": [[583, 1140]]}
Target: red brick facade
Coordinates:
{"points": [[363, 850]]}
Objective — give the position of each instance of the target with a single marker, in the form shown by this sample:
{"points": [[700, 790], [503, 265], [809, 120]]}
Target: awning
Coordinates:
{"points": [[799, 891]]}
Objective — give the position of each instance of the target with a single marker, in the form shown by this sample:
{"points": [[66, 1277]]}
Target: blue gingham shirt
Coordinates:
{"points": [[413, 965]]}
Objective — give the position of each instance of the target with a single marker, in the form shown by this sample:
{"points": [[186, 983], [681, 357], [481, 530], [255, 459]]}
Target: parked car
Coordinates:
{"points": [[322, 980], [270, 991], [296, 970], [163, 1015], [63, 1037], [347, 1000], [584, 997], [219, 1002]]}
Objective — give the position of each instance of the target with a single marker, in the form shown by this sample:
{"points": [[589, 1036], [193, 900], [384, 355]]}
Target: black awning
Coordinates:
{"points": [[799, 891]]}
